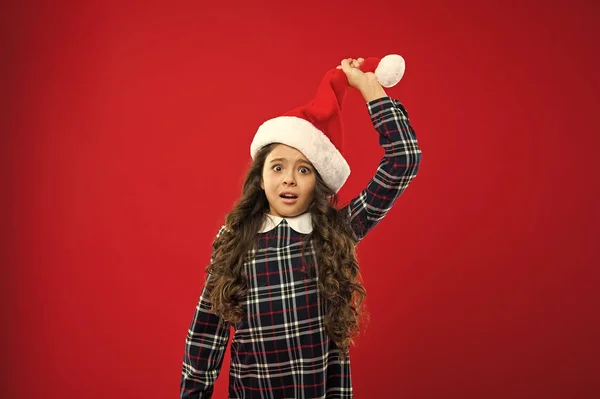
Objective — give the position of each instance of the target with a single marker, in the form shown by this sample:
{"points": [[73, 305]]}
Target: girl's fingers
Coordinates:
{"points": [[350, 63], [357, 62], [345, 65]]}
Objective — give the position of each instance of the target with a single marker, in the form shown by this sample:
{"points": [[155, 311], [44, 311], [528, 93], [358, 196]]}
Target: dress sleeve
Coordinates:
{"points": [[396, 170], [205, 346]]}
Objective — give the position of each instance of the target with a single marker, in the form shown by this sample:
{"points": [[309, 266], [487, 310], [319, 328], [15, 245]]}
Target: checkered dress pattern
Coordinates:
{"points": [[280, 349]]}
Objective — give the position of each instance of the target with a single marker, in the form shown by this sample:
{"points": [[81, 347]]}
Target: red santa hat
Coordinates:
{"points": [[316, 130]]}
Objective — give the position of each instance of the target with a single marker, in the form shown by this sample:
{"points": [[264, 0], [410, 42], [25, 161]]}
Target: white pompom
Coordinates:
{"points": [[390, 70]]}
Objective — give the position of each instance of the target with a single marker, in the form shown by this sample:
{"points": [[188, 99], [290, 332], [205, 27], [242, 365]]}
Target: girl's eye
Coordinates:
{"points": [[277, 168], [304, 170]]}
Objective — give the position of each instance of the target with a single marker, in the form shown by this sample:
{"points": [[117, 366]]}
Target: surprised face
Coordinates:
{"points": [[288, 179]]}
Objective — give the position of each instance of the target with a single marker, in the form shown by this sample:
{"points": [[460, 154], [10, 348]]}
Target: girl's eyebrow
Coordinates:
{"points": [[278, 160], [285, 160]]}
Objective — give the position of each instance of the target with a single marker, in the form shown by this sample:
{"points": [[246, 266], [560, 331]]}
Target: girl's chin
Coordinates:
{"points": [[286, 212]]}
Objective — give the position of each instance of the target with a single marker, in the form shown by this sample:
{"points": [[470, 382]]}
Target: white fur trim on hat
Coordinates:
{"points": [[310, 141]]}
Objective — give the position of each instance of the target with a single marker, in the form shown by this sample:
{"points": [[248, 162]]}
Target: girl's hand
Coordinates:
{"points": [[356, 78], [366, 83]]}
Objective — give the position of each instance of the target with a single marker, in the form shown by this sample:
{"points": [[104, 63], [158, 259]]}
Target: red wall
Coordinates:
{"points": [[127, 133]]}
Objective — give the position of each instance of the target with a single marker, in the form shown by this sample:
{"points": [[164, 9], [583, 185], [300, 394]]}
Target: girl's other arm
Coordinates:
{"points": [[205, 345]]}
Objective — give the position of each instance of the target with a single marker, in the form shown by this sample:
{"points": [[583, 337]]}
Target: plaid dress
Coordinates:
{"points": [[280, 348]]}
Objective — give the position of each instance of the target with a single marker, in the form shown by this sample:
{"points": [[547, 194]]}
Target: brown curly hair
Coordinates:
{"points": [[339, 277]]}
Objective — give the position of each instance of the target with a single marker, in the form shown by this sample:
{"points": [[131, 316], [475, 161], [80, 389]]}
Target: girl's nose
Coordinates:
{"points": [[289, 180]]}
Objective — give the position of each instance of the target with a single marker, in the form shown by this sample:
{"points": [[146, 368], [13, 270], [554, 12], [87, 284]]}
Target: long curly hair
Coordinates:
{"points": [[340, 287]]}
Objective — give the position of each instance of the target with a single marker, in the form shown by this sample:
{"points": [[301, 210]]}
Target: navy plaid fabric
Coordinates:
{"points": [[280, 349]]}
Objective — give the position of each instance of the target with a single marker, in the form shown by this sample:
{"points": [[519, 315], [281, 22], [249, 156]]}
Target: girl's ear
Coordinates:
{"points": [[262, 183]]}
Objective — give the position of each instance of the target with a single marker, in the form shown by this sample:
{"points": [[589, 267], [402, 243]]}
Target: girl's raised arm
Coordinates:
{"points": [[396, 170]]}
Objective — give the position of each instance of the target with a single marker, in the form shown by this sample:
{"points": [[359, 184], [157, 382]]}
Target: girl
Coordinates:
{"points": [[283, 272]]}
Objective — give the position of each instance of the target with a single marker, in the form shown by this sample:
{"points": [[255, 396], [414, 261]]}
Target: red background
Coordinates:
{"points": [[126, 138]]}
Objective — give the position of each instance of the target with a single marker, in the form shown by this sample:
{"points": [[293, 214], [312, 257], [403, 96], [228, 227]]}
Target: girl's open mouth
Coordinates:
{"points": [[288, 198]]}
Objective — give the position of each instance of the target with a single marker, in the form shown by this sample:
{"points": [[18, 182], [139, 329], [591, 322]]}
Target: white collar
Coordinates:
{"points": [[301, 223]]}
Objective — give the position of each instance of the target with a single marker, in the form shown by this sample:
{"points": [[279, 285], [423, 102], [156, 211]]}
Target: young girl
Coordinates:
{"points": [[283, 272]]}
